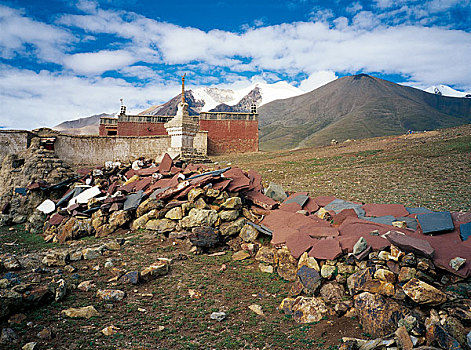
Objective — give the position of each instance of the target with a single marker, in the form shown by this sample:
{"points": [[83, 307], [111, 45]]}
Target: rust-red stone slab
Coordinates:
{"points": [[326, 249], [340, 217], [221, 185], [255, 180], [352, 226], [311, 206], [299, 243], [56, 219], [277, 218], [112, 187], [130, 173], [166, 164], [147, 171], [411, 244], [294, 195], [143, 184], [376, 242], [239, 180], [281, 233], [260, 199], [322, 201], [377, 210], [319, 231], [461, 217]]}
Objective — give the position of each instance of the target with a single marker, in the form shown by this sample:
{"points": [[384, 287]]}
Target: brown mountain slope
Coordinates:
{"points": [[356, 107]]}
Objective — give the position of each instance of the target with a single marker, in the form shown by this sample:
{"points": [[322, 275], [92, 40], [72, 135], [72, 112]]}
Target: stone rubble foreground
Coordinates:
{"points": [[372, 261]]}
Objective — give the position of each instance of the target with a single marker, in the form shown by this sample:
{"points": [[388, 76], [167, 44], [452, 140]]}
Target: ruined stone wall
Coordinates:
{"points": [[200, 142], [13, 142], [231, 136], [95, 150]]}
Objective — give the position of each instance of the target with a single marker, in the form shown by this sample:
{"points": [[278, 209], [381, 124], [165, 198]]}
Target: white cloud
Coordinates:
{"points": [[90, 63], [317, 79], [18, 31], [30, 100]]}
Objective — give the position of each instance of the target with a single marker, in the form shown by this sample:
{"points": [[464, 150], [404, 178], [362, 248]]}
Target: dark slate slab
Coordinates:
{"points": [[419, 210], [411, 244], [309, 278], [385, 220], [436, 222], [133, 200], [338, 205], [300, 199], [410, 222], [465, 231]]}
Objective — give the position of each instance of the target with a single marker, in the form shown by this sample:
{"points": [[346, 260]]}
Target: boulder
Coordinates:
{"points": [[356, 281], [199, 217], [287, 265], [233, 203], [229, 215], [120, 218], [275, 192], [9, 302], [304, 310], [308, 261], [232, 228], [248, 233], [377, 314], [267, 255], [161, 225], [204, 236], [56, 258], [309, 278], [380, 287], [148, 205], [332, 293], [423, 293], [436, 334], [91, 253], [175, 213]]}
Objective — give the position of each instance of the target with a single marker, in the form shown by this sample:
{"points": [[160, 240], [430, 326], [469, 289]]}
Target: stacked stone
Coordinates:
{"points": [[36, 165]]}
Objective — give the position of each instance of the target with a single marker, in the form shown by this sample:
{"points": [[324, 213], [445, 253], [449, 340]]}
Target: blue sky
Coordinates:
{"points": [[60, 60]]}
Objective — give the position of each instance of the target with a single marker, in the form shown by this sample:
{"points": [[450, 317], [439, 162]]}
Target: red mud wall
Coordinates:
{"points": [[140, 129], [227, 136]]}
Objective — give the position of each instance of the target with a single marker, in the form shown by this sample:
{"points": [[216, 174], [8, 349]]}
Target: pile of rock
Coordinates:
{"points": [[37, 166], [208, 207]]}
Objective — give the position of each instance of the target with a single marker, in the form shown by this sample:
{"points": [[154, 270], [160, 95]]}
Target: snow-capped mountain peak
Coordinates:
{"points": [[212, 97], [444, 90]]}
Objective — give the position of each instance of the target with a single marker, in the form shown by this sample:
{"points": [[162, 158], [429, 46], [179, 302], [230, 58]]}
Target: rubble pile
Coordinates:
{"points": [[403, 272], [38, 166]]}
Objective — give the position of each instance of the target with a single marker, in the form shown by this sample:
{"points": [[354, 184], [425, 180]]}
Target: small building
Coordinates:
{"points": [[227, 132]]}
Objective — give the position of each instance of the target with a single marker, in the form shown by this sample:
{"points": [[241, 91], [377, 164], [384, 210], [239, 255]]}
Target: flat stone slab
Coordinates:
{"points": [[337, 205], [340, 217], [411, 244], [465, 231], [356, 227], [298, 243], [373, 209], [410, 222], [385, 220], [322, 201], [461, 217], [291, 207], [260, 199], [376, 242], [319, 231], [239, 180], [326, 249], [418, 210], [435, 222], [300, 198], [311, 206], [280, 234]]}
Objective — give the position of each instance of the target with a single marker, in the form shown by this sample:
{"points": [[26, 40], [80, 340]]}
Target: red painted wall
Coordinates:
{"points": [[231, 136], [103, 129], [141, 129]]}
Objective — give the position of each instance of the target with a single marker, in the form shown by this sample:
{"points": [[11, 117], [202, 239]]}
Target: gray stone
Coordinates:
{"points": [[131, 277], [232, 228], [29, 346], [248, 233], [111, 294], [218, 316], [359, 246], [468, 339], [338, 205], [301, 200], [61, 290], [309, 278], [436, 222], [133, 200], [385, 220], [8, 336], [275, 192], [457, 263], [204, 236]]}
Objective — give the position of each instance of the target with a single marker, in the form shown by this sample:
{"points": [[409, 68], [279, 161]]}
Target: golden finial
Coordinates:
{"points": [[183, 88]]}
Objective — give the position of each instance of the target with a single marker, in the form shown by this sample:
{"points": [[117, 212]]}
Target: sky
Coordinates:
{"points": [[61, 60]]}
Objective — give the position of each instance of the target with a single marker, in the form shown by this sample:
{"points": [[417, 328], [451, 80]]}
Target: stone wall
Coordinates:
{"points": [[95, 150], [13, 142], [141, 129]]}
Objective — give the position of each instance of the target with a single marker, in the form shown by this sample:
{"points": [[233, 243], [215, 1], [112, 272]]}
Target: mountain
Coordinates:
{"points": [[355, 107], [445, 90], [226, 100], [82, 126]]}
